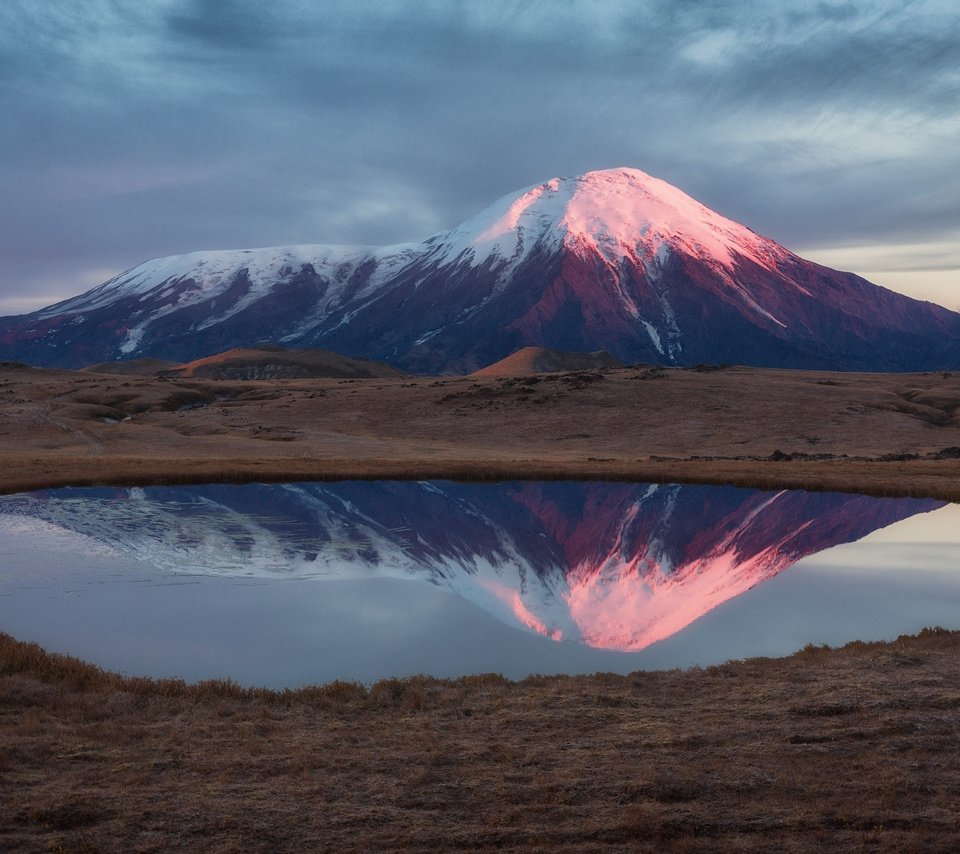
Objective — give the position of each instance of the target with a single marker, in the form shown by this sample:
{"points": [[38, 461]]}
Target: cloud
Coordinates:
{"points": [[142, 129], [224, 24]]}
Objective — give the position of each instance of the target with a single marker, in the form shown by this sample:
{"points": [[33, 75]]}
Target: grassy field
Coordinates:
{"points": [[883, 434], [850, 749]]}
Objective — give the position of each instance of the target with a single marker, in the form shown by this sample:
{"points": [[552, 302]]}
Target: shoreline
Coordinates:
{"points": [[938, 479]]}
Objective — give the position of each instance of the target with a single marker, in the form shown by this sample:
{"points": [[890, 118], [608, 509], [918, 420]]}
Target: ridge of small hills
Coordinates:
{"points": [[262, 362], [542, 360], [271, 361], [145, 367]]}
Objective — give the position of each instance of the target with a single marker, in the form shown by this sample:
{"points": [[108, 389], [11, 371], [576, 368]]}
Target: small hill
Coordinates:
{"points": [[146, 367], [541, 360], [271, 362]]}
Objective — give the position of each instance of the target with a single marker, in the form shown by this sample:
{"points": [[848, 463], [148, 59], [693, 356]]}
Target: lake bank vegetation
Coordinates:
{"points": [[827, 749]]}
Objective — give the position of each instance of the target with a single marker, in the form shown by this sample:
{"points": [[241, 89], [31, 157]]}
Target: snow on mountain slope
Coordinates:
{"points": [[212, 271], [612, 260], [613, 566], [616, 212], [165, 286]]}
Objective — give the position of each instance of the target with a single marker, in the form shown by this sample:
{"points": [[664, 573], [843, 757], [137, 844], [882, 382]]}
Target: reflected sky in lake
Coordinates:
{"points": [[297, 583]]}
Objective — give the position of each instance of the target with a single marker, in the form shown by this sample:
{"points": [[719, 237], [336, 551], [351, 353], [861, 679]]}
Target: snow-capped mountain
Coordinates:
{"points": [[614, 566], [611, 260]]}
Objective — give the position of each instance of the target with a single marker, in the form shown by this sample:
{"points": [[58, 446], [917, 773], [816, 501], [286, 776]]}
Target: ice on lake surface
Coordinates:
{"points": [[299, 583]]}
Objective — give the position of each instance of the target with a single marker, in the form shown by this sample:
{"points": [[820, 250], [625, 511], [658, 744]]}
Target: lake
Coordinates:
{"points": [[290, 584]]}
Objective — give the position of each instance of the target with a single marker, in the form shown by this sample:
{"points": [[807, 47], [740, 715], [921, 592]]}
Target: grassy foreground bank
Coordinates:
{"points": [[828, 749]]}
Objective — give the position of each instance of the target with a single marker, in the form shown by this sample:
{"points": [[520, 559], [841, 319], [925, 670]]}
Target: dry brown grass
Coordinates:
{"points": [[850, 749], [884, 434]]}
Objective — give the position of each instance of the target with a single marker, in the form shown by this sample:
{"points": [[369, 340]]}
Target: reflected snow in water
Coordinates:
{"points": [[294, 583]]}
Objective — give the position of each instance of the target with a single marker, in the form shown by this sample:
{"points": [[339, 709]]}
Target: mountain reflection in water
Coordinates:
{"points": [[615, 566]]}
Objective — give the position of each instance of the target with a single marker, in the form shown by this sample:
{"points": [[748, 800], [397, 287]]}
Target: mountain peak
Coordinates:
{"points": [[620, 212]]}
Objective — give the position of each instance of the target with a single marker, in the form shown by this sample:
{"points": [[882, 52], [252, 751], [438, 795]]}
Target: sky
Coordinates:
{"points": [[133, 130]]}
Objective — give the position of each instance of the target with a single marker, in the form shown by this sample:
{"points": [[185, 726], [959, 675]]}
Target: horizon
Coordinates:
{"points": [[191, 125]]}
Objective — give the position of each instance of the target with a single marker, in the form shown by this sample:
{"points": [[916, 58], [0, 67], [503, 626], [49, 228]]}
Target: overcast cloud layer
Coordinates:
{"points": [[138, 129]]}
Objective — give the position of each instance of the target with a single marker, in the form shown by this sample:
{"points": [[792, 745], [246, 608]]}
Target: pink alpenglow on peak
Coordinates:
{"points": [[613, 260], [617, 212]]}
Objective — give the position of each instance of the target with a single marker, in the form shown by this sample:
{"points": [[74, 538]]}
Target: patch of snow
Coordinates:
{"points": [[48, 535], [654, 337], [662, 254], [132, 340], [751, 302], [424, 338]]}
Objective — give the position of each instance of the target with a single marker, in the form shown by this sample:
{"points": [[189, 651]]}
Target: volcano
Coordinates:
{"points": [[612, 260]]}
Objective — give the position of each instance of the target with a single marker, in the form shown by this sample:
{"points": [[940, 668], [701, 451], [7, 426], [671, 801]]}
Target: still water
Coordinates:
{"points": [[289, 584]]}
